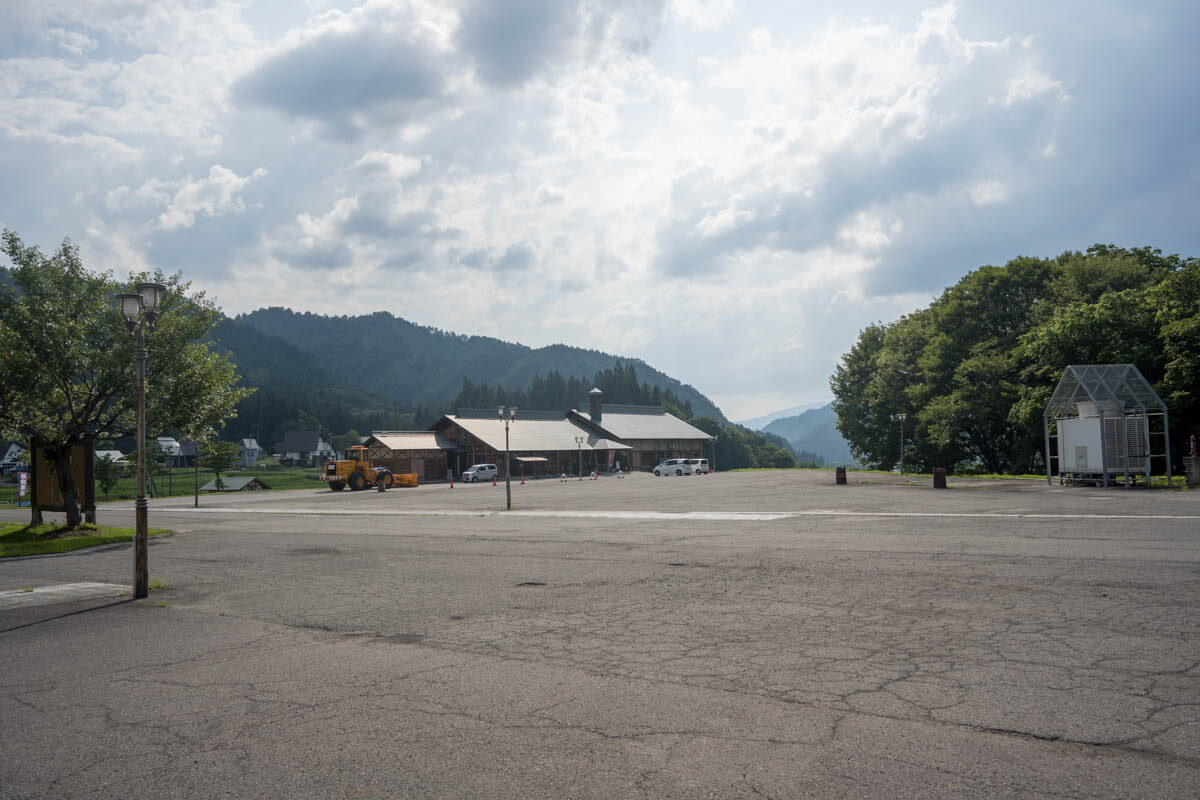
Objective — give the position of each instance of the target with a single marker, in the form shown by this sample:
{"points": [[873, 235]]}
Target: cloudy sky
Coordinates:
{"points": [[728, 189]]}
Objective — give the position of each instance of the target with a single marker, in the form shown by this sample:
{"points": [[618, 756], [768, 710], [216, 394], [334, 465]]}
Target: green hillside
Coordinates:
{"points": [[814, 431], [418, 365]]}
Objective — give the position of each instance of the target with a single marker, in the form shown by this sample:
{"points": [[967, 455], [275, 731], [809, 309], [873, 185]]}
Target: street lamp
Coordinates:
{"points": [[508, 415], [579, 449], [141, 312], [900, 418]]}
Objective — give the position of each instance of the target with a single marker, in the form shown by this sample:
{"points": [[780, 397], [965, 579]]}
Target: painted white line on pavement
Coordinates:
{"points": [[668, 516], [60, 593], [700, 516]]}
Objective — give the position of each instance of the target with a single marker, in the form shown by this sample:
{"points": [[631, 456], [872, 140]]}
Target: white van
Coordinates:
{"points": [[674, 466], [479, 472], [699, 466]]}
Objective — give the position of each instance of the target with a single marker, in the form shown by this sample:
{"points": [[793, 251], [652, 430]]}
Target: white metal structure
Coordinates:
{"points": [[1107, 421]]}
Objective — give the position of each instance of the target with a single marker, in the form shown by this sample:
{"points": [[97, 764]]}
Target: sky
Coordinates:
{"points": [[728, 189]]}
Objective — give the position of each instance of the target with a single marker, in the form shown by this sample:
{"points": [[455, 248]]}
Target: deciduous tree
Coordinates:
{"points": [[66, 359]]}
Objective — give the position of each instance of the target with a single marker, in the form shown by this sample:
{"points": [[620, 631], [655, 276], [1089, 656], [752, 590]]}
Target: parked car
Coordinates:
{"points": [[674, 466], [699, 466], [479, 472]]}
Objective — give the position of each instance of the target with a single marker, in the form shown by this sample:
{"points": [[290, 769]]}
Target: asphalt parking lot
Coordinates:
{"points": [[740, 635]]}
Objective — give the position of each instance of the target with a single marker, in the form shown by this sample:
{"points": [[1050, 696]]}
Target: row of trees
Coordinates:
{"points": [[554, 392], [66, 360], [973, 372]]}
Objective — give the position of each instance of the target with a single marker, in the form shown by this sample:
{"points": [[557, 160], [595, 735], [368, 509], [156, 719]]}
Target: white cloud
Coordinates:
{"points": [[986, 193], [773, 177], [184, 199], [73, 42]]}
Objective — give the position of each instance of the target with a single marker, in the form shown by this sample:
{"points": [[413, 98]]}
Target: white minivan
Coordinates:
{"points": [[674, 466], [699, 466], [479, 472]]}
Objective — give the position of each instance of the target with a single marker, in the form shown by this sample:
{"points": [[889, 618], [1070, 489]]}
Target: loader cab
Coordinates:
{"points": [[356, 453]]}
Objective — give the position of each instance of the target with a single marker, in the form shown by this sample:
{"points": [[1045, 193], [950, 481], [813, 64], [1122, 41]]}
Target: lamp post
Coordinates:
{"points": [[508, 415], [900, 418], [141, 312], [579, 450]]}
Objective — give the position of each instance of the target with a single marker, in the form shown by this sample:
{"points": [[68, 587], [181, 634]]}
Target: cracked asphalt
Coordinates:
{"points": [[796, 639]]}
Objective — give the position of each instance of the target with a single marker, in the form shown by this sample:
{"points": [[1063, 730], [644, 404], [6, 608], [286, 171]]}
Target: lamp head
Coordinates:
{"points": [[131, 306], [152, 294]]}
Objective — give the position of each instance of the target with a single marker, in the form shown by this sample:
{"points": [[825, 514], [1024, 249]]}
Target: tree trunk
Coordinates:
{"points": [[61, 458]]}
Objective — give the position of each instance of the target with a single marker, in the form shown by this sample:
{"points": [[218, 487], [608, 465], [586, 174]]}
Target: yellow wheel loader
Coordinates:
{"points": [[355, 471]]}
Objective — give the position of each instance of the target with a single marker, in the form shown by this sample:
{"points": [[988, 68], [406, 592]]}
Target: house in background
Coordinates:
{"points": [[10, 457], [116, 456], [304, 448], [168, 448], [248, 452]]}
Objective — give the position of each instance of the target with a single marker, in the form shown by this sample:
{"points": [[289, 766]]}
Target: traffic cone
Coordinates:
{"points": [[452, 483], [493, 480], [522, 480]]}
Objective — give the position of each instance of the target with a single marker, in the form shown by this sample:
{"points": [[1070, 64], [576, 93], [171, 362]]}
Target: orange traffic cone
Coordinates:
{"points": [[493, 480], [452, 483], [522, 480]]}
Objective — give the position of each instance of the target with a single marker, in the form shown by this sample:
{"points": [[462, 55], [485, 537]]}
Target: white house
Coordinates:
{"points": [[248, 452]]}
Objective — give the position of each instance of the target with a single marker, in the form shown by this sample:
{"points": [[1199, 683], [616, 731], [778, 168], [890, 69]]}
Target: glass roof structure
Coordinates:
{"points": [[1113, 388]]}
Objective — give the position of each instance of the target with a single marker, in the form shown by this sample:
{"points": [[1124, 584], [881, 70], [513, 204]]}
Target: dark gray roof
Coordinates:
{"points": [[300, 441]]}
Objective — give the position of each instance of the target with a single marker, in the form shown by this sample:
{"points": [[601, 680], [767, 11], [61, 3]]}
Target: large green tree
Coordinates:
{"points": [[974, 370], [66, 359]]}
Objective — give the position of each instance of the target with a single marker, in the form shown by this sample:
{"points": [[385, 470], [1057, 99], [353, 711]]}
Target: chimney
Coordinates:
{"points": [[596, 396]]}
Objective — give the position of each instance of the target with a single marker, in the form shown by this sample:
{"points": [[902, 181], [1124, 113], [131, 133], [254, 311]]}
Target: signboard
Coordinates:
{"points": [[43, 483], [22, 484]]}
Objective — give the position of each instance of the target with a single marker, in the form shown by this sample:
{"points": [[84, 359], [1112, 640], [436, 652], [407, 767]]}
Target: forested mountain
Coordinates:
{"points": [[815, 431], [294, 392], [418, 365], [973, 371], [378, 372]]}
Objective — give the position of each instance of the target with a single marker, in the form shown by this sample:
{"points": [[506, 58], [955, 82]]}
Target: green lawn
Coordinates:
{"points": [[182, 482], [38, 540]]}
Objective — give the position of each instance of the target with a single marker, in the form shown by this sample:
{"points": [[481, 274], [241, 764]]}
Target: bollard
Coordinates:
{"points": [[840, 474], [939, 477]]}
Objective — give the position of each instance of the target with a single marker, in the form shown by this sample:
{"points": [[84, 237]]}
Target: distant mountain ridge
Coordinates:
{"points": [[414, 364], [816, 431], [759, 423]]}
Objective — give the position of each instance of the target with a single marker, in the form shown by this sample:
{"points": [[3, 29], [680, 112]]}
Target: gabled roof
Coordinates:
{"points": [[1111, 388], [250, 444], [115, 455], [301, 441], [232, 484], [642, 422], [412, 440], [532, 431]]}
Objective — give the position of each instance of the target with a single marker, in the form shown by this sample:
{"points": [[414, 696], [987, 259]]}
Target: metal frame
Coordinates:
{"points": [[1115, 391]]}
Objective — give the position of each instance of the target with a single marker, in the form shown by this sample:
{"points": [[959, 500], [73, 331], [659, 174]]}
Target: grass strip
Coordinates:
{"points": [[39, 540]]}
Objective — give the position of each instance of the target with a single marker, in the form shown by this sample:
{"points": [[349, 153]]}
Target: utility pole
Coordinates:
{"points": [[901, 418]]}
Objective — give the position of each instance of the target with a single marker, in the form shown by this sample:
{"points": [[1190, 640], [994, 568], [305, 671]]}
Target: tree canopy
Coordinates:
{"points": [[974, 370], [66, 358]]}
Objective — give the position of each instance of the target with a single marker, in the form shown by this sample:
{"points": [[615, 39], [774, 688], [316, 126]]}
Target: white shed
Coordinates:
{"points": [[1105, 421]]}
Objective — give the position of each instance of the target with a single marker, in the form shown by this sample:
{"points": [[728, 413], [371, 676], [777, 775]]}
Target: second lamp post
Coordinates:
{"points": [[508, 415], [141, 312]]}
